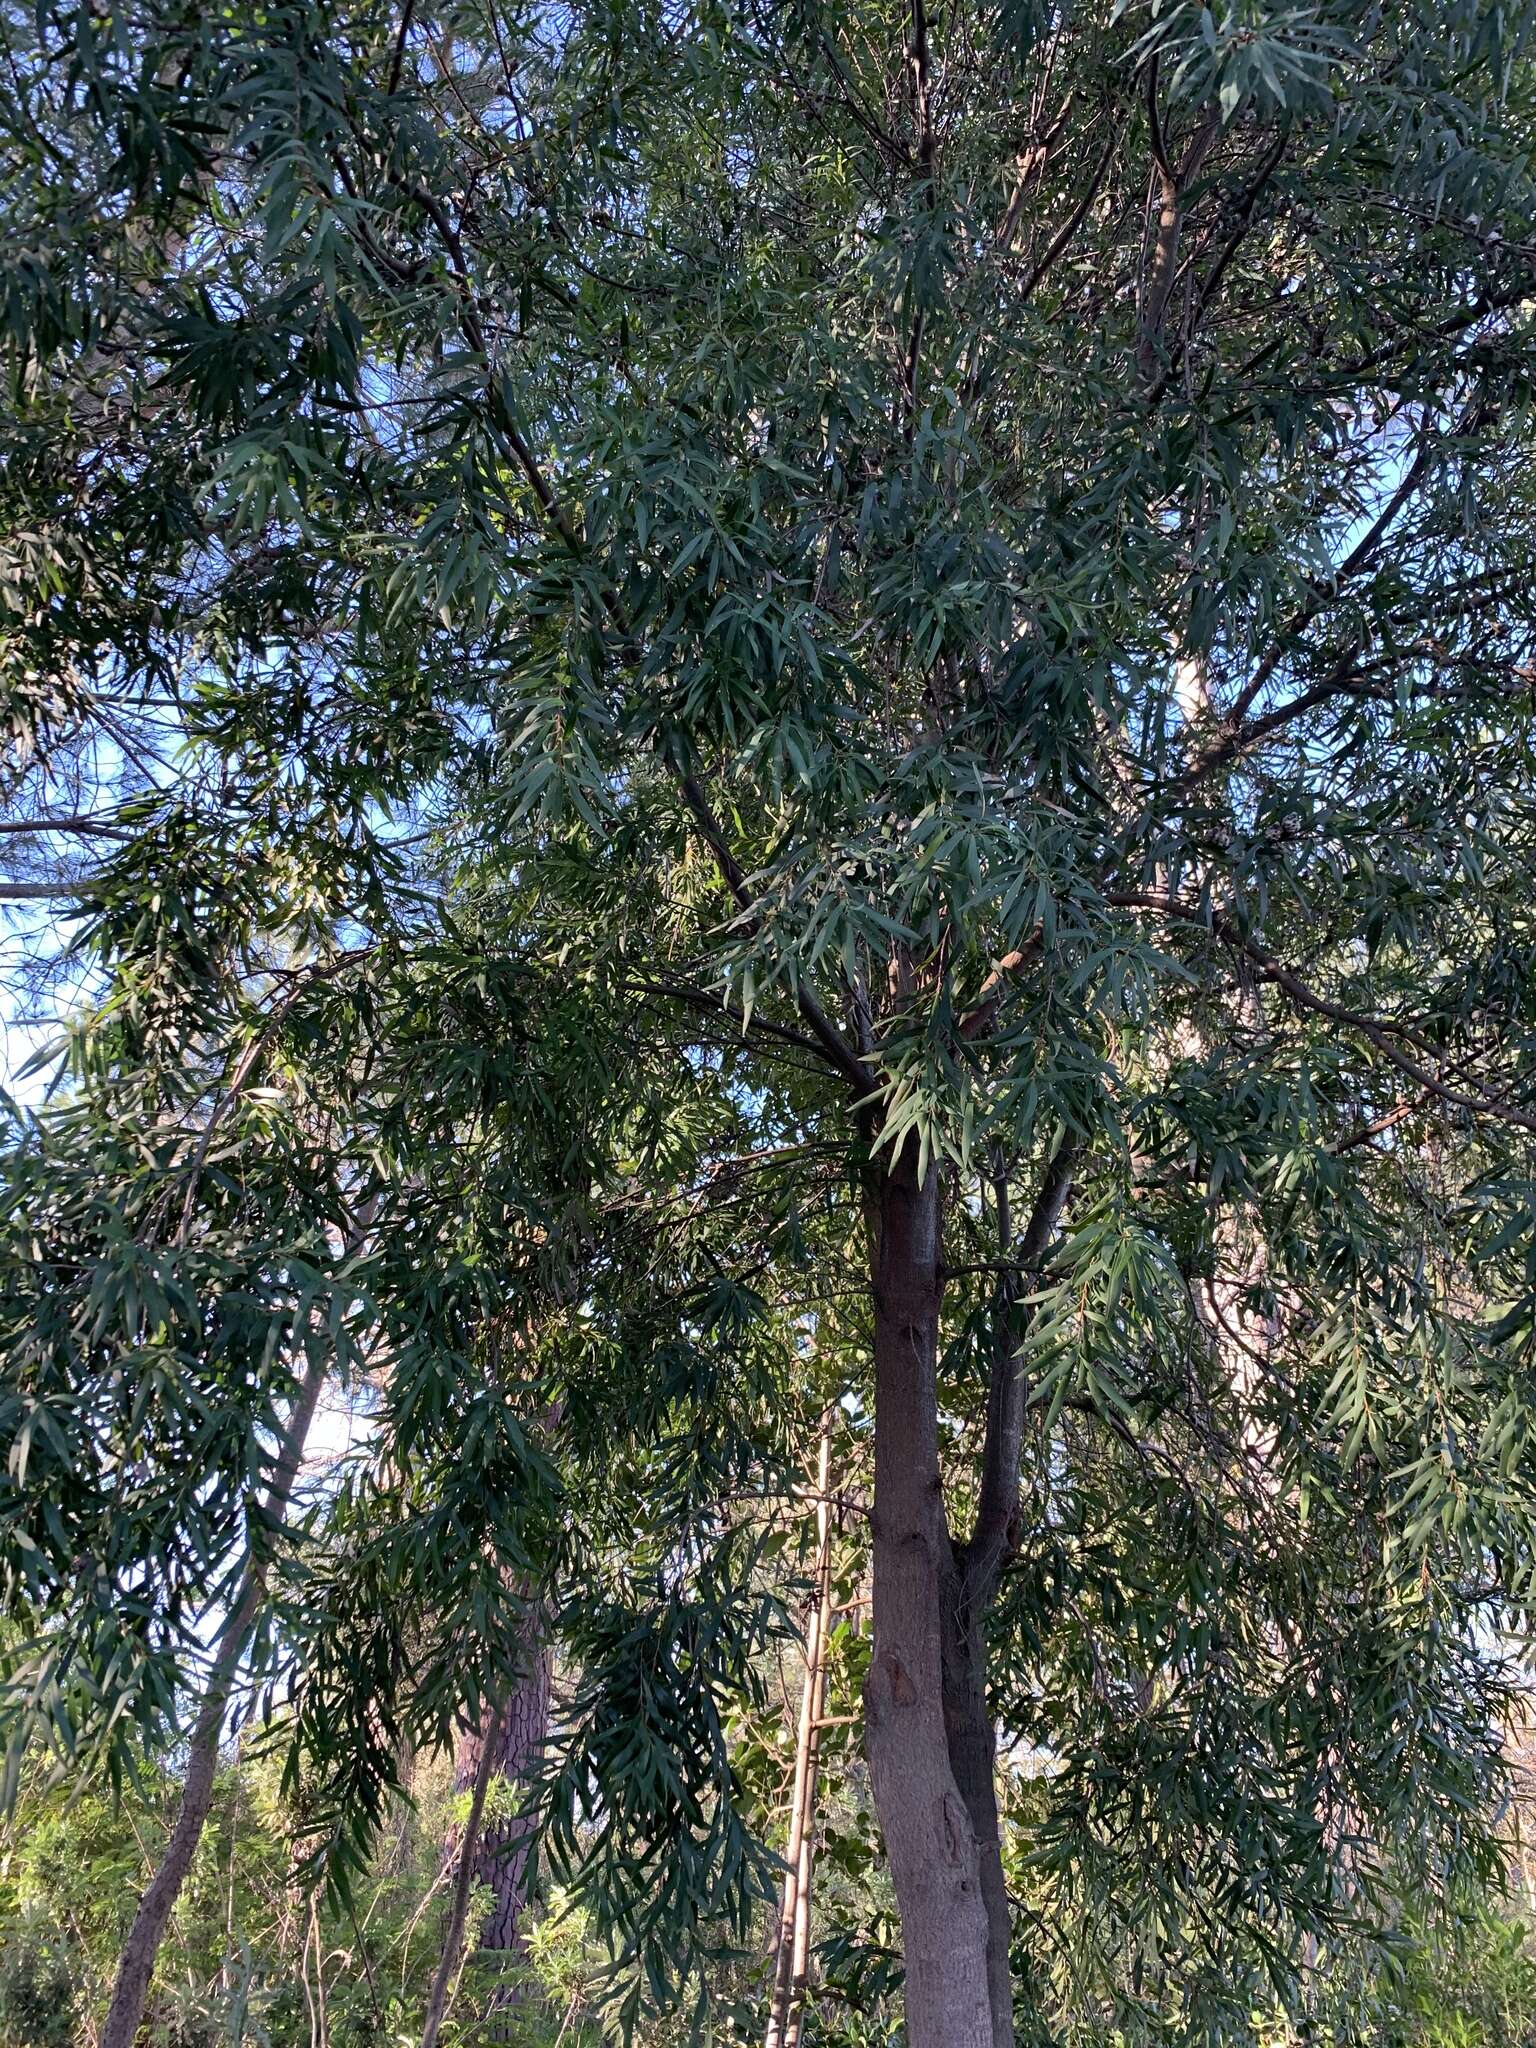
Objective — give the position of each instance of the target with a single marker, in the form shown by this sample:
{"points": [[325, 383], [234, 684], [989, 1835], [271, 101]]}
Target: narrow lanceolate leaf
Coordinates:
{"points": [[721, 712]]}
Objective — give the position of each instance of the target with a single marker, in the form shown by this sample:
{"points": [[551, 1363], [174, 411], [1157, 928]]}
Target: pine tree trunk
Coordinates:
{"points": [[496, 1857], [930, 1838], [136, 1966], [502, 1859]]}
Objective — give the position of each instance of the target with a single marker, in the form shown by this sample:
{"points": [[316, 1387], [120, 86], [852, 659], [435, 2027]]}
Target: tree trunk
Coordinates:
{"points": [[973, 1758], [793, 1948], [800, 1949], [496, 1857], [137, 1964], [502, 1858], [930, 1838]]}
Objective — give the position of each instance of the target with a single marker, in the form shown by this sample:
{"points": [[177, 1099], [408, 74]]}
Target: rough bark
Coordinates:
{"points": [[929, 1837], [502, 1859], [136, 1965], [497, 1857]]}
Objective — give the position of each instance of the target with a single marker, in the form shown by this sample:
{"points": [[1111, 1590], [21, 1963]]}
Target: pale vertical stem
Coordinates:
{"points": [[816, 1681], [795, 1904]]}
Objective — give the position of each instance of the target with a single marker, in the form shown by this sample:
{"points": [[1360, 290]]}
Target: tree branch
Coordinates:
{"points": [[83, 827], [835, 1048], [1353, 562], [1172, 185], [1242, 227], [42, 892], [1380, 1032], [1238, 736], [1065, 234], [998, 1497]]}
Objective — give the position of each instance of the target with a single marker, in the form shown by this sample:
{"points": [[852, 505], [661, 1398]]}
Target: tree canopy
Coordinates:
{"points": [[742, 706]]}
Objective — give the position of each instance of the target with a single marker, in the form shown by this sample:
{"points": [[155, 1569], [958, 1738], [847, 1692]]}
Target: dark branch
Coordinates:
{"points": [[81, 827], [1379, 1032], [998, 1496]]}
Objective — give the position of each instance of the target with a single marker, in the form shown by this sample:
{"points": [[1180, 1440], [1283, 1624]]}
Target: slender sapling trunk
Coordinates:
{"points": [[136, 1965], [793, 1945]]}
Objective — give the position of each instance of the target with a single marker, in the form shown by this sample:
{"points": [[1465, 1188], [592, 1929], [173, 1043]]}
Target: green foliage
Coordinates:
{"points": [[38, 1991], [651, 606], [1472, 1985], [247, 1958]]}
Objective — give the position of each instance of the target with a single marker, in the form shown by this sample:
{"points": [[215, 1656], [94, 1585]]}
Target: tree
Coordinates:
{"points": [[495, 1855], [761, 481], [136, 1969]]}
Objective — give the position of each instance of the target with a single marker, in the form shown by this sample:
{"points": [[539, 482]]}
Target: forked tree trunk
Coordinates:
{"points": [[930, 1836], [792, 1951], [137, 1964]]}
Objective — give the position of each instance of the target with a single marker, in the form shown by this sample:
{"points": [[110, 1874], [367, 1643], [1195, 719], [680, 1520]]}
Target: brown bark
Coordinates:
{"points": [[972, 1737], [1172, 184], [137, 1963], [972, 1743], [793, 1947], [502, 1860], [930, 1839], [496, 1857], [932, 1745]]}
